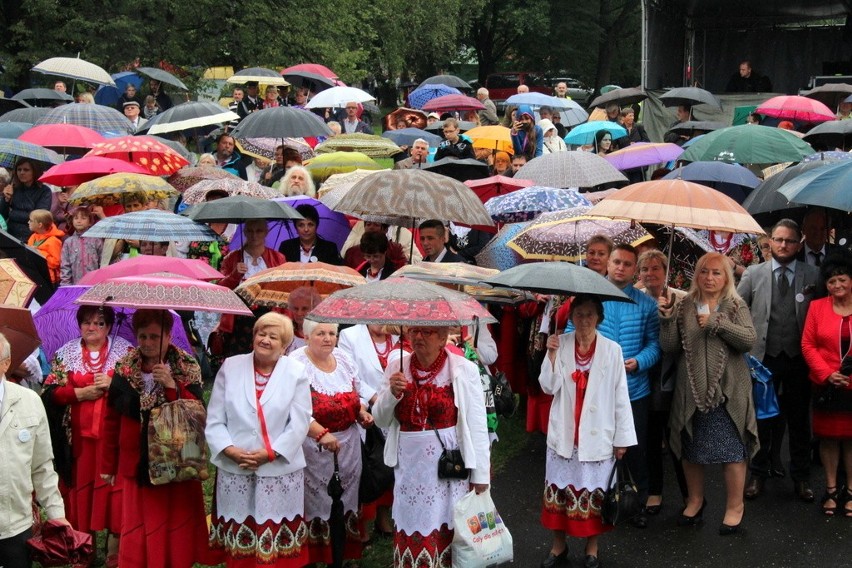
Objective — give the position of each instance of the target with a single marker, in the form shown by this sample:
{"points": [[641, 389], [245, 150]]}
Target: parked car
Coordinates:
{"points": [[578, 92], [501, 86]]}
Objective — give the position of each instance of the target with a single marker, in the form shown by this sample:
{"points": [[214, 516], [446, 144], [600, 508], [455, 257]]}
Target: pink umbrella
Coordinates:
{"points": [[493, 186], [75, 172], [453, 102], [792, 107], [640, 154], [311, 68], [62, 136], [144, 265]]}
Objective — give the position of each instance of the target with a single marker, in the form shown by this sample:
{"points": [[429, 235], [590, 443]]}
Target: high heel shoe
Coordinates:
{"points": [[728, 530], [697, 518]]}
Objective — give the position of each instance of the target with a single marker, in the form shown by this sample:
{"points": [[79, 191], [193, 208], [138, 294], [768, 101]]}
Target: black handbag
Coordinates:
{"points": [[504, 399], [831, 398], [621, 500], [376, 477], [450, 463]]}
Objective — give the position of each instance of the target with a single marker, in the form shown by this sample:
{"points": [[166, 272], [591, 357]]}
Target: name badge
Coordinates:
{"points": [[800, 297], [24, 436], [313, 259]]}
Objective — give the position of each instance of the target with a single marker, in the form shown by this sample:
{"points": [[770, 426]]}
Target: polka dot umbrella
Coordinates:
{"points": [[144, 151]]}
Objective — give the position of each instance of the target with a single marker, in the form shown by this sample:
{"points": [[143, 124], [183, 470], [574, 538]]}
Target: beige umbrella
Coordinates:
{"points": [[372, 146], [75, 68], [336, 180]]}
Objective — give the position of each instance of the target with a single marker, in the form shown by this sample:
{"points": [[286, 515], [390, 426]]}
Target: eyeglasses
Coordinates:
{"points": [[413, 331], [780, 241], [94, 323]]}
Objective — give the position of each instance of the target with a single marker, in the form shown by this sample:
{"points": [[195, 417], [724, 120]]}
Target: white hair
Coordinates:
{"points": [[482, 91], [5, 348], [310, 191], [308, 326]]}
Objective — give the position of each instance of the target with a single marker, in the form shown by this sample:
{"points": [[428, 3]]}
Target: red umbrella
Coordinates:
{"points": [[493, 186], [311, 68], [145, 151], [453, 102], [144, 265], [792, 107], [62, 136], [75, 172]]}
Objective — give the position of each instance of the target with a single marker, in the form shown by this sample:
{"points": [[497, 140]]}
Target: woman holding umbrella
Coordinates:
{"points": [[21, 197]]}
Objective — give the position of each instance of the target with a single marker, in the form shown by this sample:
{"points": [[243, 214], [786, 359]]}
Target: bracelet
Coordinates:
{"points": [[321, 434]]}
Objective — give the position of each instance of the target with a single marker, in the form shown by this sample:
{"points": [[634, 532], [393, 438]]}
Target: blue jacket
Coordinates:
{"points": [[519, 143], [636, 327]]}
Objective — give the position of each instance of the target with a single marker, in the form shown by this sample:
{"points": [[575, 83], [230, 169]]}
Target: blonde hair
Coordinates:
{"points": [[282, 323], [42, 217], [650, 255], [729, 292]]}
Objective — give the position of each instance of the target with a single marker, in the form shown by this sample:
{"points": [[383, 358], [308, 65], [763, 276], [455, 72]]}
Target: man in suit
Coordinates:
{"points": [[309, 246], [815, 246], [131, 111], [417, 159], [487, 116], [352, 124], [250, 101], [778, 293], [433, 239]]}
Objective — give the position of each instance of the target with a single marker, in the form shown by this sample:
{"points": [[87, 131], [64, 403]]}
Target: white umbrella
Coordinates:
{"points": [[75, 68], [191, 114], [338, 97]]}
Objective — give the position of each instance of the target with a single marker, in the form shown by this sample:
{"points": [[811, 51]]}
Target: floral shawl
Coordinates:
{"points": [[128, 373]]}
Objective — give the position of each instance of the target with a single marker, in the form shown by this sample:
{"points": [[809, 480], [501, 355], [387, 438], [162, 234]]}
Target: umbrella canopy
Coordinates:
{"points": [[74, 68], [715, 172], [46, 97], [460, 170], [572, 113], [400, 301], [271, 287], [493, 186], [621, 97], [18, 327], [458, 273], [570, 169], [162, 76], [836, 133], [197, 194], [583, 134], [449, 80], [281, 122], [689, 96], [367, 144], [13, 129], [830, 94], [336, 97], [164, 290], [313, 68], [144, 151], [831, 155], [11, 149], [188, 176], [29, 115], [259, 75], [151, 225], [240, 208], [75, 172], [414, 194], [824, 187], [265, 147], [496, 138], [109, 96], [799, 109], [325, 165], [413, 118], [748, 144], [419, 97], [438, 126], [496, 254], [8, 105], [16, 288], [145, 264], [558, 278], [693, 126], [62, 136], [103, 119], [640, 154], [116, 185], [31, 262], [333, 226], [314, 81], [453, 102], [407, 136], [191, 114], [677, 203], [529, 202], [765, 198], [346, 178]]}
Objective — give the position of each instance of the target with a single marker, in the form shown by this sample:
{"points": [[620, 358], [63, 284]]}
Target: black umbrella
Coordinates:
{"points": [[438, 125], [830, 94], [448, 80], [833, 133], [336, 522], [460, 170], [558, 278], [622, 97], [239, 208], [162, 77], [281, 122], [692, 126], [26, 114], [31, 262], [689, 96], [765, 197], [307, 79], [7, 105], [40, 97]]}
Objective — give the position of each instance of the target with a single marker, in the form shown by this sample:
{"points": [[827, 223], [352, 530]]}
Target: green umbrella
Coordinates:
{"points": [[326, 165], [367, 144], [748, 144]]}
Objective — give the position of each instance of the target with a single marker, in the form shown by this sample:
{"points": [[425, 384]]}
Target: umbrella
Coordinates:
{"points": [[326, 165], [830, 93], [162, 76], [438, 126], [74, 68], [496, 254], [493, 186], [314, 81], [570, 169], [692, 126], [622, 97], [103, 119], [191, 114], [56, 321], [75, 172], [824, 187], [259, 75], [31, 262], [715, 172], [239, 208], [151, 225], [109, 96], [832, 155], [174, 145], [164, 290], [572, 113], [562, 235], [414, 194], [345, 178], [834, 133], [419, 97], [400, 301], [144, 151], [461, 170], [765, 198], [197, 194], [333, 226], [141, 265], [11, 149], [558, 278], [412, 117], [62, 136], [281, 122], [527, 203], [457, 273], [336, 519], [367, 144], [16, 288], [800, 109], [407, 136], [583, 134], [271, 287], [338, 97], [689, 96], [453, 102], [58, 544], [47, 96], [312, 68], [640, 154], [448, 80], [188, 176], [116, 185], [29, 115], [496, 138], [14, 129], [8, 105], [748, 144], [265, 147]]}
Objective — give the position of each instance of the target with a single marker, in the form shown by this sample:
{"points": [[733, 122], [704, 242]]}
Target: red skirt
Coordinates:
{"points": [[832, 425], [576, 512], [418, 551], [319, 539], [91, 503], [538, 411], [369, 511]]}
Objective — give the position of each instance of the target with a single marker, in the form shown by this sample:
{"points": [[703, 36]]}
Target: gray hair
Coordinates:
{"points": [[308, 326], [5, 348], [5, 176], [285, 182], [482, 91], [419, 141]]}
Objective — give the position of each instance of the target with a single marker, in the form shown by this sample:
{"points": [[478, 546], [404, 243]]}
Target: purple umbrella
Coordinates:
{"points": [[640, 154], [56, 322], [333, 226]]}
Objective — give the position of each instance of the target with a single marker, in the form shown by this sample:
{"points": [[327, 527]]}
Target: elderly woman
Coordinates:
{"points": [[297, 181], [584, 371], [339, 400], [23, 196], [162, 526], [826, 342], [260, 477], [301, 301], [435, 400], [712, 414], [75, 392], [285, 158]]}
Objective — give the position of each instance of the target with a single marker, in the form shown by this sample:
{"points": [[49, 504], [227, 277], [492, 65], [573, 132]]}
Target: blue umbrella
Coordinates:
{"points": [[571, 113], [527, 203], [109, 95], [407, 136], [832, 155], [825, 187], [12, 149], [13, 129], [426, 93], [103, 119], [692, 141], [585, 133], [704, 172], [496, 254]]}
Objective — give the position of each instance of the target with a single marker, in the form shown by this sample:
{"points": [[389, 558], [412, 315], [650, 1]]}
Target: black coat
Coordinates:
{"points": [[324, 251]]}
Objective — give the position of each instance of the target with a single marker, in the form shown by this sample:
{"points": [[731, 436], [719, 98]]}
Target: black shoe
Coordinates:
{"points": [[684, 521], [754, 487], [640, 521], [728, 530], [804, 492], [591, 562], [653, 510], [554, 560]]}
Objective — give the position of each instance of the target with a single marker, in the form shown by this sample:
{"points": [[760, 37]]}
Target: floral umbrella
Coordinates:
{"points": [[145, 151], [236, 186], [346, 178], [271, 287], [114, 185], [367, 144], [186, 177], [16, 288], [527, 203]]}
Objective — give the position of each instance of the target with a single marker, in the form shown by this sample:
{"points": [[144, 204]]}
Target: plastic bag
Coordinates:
{"points": [[481, 539], [177, 450]]}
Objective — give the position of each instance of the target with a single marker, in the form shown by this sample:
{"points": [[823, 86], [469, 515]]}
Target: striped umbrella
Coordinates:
{"points": [[116, 185], [367, 144], [151, 225], [529, 202], [453, 102], [103, 119], [11, 149]]}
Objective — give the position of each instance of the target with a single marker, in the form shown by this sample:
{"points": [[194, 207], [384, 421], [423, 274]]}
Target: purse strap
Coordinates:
{"points": [[432, 426]]}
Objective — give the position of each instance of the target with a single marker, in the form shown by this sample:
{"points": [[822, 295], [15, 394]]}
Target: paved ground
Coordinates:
{"points": [[779, 530]]}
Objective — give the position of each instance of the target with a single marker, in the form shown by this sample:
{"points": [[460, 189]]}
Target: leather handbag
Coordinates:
{"points": [[450, 463], [763, 390], [376, 477], [621, 500]]}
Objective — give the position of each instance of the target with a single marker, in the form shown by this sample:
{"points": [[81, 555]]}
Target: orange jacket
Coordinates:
{"points": [[49, 244]]}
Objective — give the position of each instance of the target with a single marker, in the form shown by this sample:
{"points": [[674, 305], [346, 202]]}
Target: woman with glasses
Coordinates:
{"points": [[434, 402]]}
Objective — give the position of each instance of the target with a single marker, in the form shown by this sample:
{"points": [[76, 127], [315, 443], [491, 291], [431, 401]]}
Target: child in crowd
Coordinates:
{"points": [[47, 239], [80, 254]]}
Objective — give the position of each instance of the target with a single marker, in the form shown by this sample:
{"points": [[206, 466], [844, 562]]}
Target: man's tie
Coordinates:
{"points": [[817, 257], [783, 283]]}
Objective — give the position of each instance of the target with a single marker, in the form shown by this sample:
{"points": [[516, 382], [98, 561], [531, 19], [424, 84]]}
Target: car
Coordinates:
{"points": [[578, 92], [501, 86]]}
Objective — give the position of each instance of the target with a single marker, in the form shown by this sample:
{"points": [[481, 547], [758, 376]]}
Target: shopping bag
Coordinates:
{"points": [[481, 539], [177, 449]]}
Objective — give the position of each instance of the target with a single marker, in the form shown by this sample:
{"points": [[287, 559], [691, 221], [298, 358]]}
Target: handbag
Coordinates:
{"points": [[450, 463], [501, 394], [480, 538], [376, 477], [621, 500], [57, 544], [177, 449], [763, 390]]}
